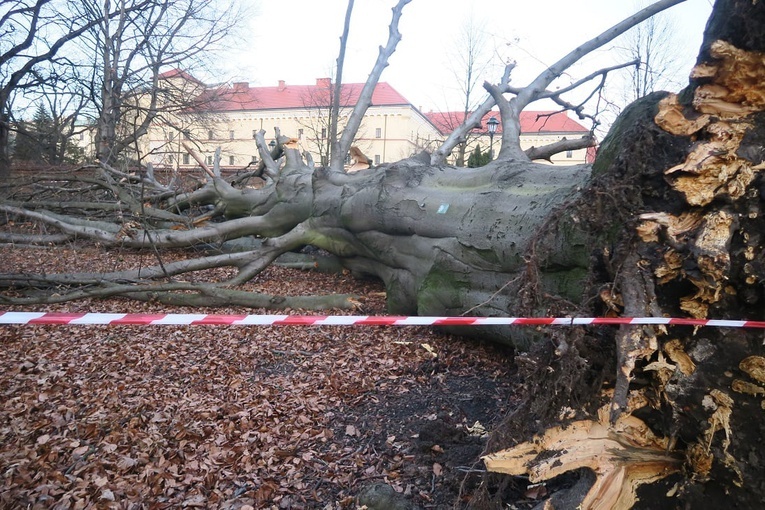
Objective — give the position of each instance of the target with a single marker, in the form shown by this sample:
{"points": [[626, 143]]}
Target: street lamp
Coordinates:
{"points": [[492, 124]]}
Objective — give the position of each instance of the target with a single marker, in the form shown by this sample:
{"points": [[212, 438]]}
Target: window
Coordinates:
{"points": [[254, 133], [170, 159], [300, 133], [209, 160], [378, 132], [186, 135], [82, 136], [569, 154], [377, 159], [323, 132], [231, 160], [171, 135], [210, 135], [254, 159], [231, 135], [186, 159]]}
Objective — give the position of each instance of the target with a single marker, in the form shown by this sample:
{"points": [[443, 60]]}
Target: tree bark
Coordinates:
{"points": [[5, 158]]}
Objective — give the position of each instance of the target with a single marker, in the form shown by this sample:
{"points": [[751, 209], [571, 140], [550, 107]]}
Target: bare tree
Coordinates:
{"points": [[62, 98], [653, 45], [327, 106], [470, 64], [666, 223], [132, 47], [32, 33]]}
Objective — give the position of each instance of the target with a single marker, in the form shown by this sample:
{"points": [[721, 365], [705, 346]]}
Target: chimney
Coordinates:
{"points": [[323, 82], [282, 85], [241, 86]]}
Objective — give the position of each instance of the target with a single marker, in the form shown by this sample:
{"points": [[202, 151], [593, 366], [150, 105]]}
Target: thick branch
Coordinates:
{"points": [[177, 294], [278, 220], [267, 159], [338, 88], [510, 114], [548, 151], [365, 98], [271, 250], [26, 239], [167, 270]]}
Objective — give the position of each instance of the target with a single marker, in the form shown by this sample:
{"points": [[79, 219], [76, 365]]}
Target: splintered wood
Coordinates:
{"points": [[623, 456], [715, 168]]}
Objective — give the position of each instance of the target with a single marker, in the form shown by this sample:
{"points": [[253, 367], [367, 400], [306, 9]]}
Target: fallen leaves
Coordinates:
{"points": [[222, 417]]}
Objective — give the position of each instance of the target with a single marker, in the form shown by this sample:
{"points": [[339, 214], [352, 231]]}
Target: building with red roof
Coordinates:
{"points": [[538, 128], [229, 116]]}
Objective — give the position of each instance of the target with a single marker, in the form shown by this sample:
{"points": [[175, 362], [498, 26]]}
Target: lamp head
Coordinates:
{"points": [[492, 124]]}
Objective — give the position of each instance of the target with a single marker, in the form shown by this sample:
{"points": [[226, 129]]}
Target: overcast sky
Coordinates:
{"points": [[298, 40]]}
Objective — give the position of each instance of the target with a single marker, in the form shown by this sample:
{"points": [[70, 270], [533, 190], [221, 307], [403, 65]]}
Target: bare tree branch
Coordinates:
{"points": [[338, 87], [267, 159], [548, 151], [365, 98], [533, 90]]}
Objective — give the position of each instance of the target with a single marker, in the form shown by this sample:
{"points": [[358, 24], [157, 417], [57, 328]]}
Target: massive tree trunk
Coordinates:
{"points": [[668, 223], [443, 242]]}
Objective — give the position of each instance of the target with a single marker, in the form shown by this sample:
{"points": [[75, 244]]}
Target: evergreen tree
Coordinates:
{"points": [[42, 141], [25, 144], [478, 158]]}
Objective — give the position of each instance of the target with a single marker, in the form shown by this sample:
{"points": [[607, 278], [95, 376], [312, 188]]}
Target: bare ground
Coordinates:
{"points": [[240, 417]]}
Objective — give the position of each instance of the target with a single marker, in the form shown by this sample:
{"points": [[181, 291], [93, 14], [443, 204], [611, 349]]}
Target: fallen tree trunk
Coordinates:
{"points": [[442, 241]]}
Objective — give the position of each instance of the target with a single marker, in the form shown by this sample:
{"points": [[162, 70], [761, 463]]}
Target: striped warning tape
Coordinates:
{"points": [[347, 320]]}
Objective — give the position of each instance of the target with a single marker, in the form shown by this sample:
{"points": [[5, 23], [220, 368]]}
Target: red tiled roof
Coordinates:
{"points": [[241, 96], [531, 122], [177, 73]]}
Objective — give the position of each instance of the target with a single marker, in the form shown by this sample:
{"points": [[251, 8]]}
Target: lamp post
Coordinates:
{"points": [[492, 124]]}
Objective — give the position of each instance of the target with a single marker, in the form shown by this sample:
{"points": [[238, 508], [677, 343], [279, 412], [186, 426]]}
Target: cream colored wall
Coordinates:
{"points": [[386, 134], [86, 140]]}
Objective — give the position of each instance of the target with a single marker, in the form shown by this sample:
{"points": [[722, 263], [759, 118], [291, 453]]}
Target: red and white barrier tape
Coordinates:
{"points": [[346, 320]]}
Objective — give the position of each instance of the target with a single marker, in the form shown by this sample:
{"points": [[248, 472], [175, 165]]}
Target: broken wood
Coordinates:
{"points": [[623, 456]]}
